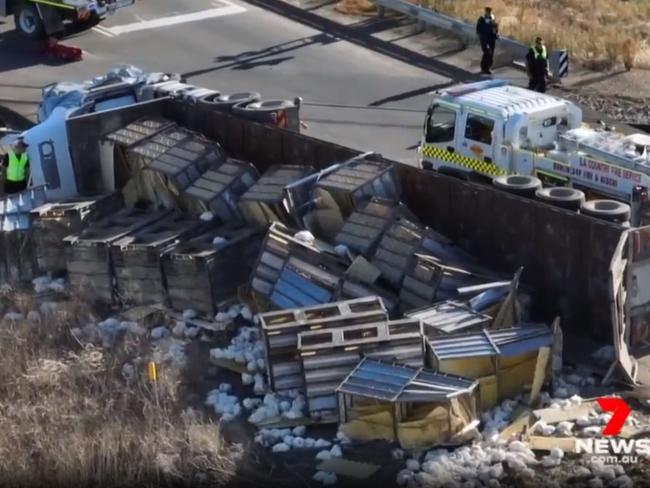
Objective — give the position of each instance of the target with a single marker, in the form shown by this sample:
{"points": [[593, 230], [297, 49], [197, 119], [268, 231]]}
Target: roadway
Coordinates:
{"points": [[231, 46]]}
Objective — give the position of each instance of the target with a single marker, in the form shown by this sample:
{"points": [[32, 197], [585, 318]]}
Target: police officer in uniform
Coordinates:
{"points": [[16, 164], [487, 30], [537, 66]]}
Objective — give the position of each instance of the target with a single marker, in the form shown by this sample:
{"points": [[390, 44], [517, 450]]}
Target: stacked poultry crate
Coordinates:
{"points": [[137, 257], [263, 203], [208, 269], [88, 253], [53, 222], [219, 188]]}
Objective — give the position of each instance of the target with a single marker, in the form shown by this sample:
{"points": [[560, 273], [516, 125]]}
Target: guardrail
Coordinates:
{"points": [[558, 59]]}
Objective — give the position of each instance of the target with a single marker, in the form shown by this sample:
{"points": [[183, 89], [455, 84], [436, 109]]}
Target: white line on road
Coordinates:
{"points": [[229, 9], [102, 30]]}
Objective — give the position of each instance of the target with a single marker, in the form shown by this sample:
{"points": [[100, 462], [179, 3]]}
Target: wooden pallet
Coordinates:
{"points": [[280, 332], [329, 356]]}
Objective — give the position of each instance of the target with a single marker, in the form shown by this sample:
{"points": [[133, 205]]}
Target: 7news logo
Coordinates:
{"points": [[611, 449]]}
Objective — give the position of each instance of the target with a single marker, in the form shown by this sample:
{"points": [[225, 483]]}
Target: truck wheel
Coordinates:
{"points": [[86, 23], [610, 210], [519, 185], [28, 21], [568, 198], [225, 103], [268, 112]]}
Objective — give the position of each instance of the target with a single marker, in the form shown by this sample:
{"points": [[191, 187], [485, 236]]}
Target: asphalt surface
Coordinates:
{"points": [[236, 46]]}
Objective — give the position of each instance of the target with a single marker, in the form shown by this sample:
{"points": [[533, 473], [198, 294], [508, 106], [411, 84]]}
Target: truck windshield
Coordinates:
{"points": [[441, 124]]}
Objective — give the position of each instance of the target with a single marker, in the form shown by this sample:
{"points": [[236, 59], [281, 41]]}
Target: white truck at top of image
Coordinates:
{"points": [[35, 18], [491, 129]]}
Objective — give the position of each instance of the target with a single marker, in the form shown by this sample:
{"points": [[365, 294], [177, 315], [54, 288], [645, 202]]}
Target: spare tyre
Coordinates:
{"points": [[225, 103], [610, 210], [519, 185], [560, 196]]}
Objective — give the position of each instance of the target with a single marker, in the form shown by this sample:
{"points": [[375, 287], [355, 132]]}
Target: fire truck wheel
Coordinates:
{"points": [[28, 21], [520, 185], [611, 210], [568, 198]]}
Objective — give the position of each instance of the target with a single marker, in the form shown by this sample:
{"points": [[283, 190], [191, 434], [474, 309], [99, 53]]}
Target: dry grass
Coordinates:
{"points": [[598, 33], [355, 7], [69, 417]]}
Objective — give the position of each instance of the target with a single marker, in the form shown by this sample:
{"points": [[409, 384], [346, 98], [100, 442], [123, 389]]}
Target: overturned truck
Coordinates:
{"points": [[382, 225]]}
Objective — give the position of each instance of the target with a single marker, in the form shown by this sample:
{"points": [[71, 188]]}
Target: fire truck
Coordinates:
{"points": [[491, 129], [37, 19]]}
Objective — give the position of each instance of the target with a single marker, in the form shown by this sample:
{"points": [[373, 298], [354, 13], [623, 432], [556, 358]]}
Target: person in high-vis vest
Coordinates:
{"points": [[16, 164], [537, 66]]}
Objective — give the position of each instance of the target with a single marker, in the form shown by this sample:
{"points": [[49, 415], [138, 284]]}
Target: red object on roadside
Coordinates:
{"points": [[61, 51]]}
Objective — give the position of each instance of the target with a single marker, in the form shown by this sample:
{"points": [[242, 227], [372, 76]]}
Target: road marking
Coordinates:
{"points": [[229, 9], [103, 31]]}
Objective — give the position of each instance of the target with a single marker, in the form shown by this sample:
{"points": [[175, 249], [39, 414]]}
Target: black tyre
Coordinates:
{"points": [[563, 197], [265, 112], [28, 21], [517, 184], [610, 210], [91, 21], [225, 103]]}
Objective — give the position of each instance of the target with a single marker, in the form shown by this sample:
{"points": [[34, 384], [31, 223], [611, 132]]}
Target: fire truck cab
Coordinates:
{"points": [[490, 128]]}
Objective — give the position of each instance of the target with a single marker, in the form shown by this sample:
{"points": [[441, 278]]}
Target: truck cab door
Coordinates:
{"points": [[478, 141], [439, 138]]}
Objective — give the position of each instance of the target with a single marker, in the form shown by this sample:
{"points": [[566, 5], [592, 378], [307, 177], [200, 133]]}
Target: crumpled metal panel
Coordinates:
{"points": [[374, 379], [516, 341], [293, 290], [365, 226], [463, 346], [450, 317]]}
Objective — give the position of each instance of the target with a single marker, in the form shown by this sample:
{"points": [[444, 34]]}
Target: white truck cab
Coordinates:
{"points": [[491, 128], [476, 127], [52, 174]]}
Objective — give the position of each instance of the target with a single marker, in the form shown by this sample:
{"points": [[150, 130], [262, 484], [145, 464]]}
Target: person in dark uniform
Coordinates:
{"points": [[487, 30], [16, 164], [537, 66]]}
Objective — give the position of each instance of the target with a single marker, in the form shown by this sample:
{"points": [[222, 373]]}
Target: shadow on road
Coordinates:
{"points": [[251, 59], [257, 64], [410, 94], [361, 34]]}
